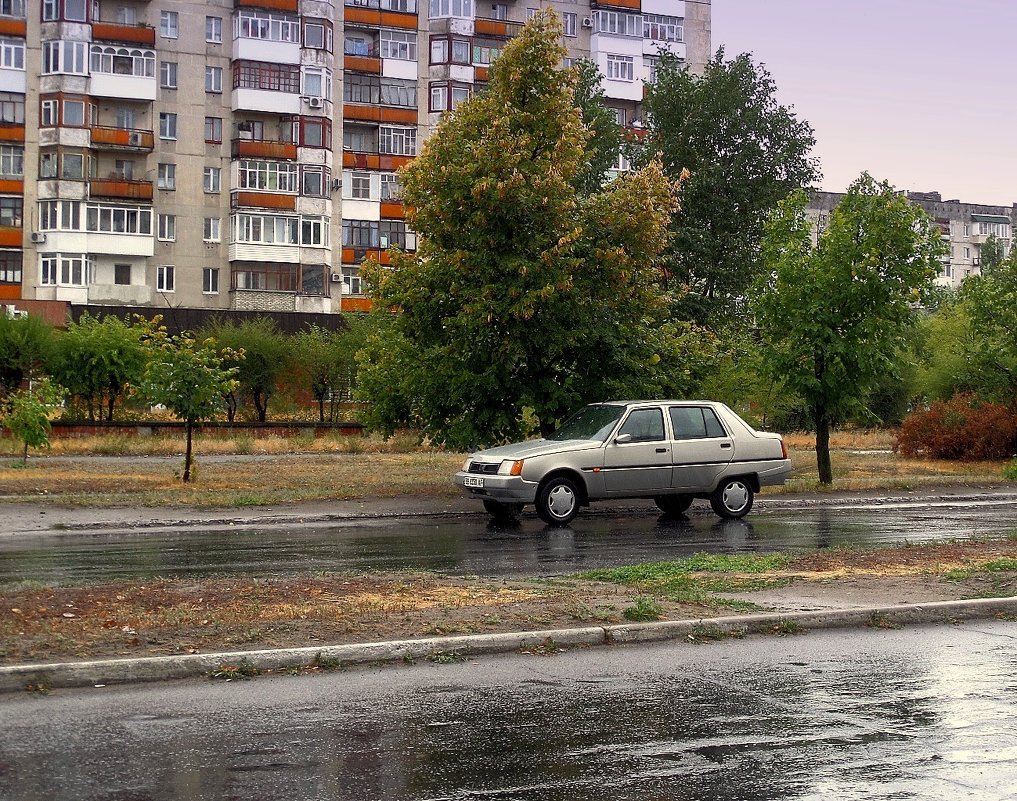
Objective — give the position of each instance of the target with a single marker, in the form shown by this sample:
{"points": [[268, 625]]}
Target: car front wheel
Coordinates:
{"points": [[673, 504], [732, 498], [558, 501]]}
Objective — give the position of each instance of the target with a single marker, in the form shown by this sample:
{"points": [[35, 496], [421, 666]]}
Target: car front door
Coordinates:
{"points": [[701, 450], [637, 460]]}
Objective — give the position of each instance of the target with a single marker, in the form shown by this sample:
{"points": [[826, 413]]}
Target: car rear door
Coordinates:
{"points": [[701, 449], [641, 462]]}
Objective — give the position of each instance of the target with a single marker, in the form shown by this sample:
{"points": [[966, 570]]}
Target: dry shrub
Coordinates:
{"points": [[963, 428]]}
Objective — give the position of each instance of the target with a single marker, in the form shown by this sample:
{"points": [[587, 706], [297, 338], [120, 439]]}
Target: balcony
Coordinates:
{"points": [[11, 236], [625, 5], [292, 6], [128, 139], [12, 133], [374, 161], [402, 116], [130, 34], [263, 149], [372, 17], [354, 63], [14, 27], [120, 188], [263, 200], [499, 28]]}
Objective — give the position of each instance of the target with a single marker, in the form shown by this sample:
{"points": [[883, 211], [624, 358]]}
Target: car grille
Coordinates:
{"points": [[484, 468]]}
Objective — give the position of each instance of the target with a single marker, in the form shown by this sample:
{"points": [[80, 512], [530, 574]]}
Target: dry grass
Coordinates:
{"points": [[244, 471]]}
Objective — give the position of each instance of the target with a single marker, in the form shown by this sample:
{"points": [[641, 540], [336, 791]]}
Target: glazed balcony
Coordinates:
{"points": [[263, 149]]}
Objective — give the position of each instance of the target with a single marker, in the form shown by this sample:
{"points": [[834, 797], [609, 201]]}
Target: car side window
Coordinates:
{"points": [[695, 422], [645, 425]]}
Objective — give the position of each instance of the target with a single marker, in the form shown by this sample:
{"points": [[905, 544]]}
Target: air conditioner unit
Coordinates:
{"points": [[587, 22], [337, 278], [314, 102], [134, 139], [38, 237]]}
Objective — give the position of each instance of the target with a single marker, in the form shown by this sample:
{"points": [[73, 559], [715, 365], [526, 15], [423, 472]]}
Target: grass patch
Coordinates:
{"points": [[644, 609], [235, 672]]}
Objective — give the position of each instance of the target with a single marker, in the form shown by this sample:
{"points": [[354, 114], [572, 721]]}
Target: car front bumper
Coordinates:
{"points": [[510, 489]]}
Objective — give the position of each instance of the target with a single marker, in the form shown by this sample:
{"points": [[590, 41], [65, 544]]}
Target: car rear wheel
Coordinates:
{"points": [[503, 511], [732, 498], [558, 501], [673, 504]]}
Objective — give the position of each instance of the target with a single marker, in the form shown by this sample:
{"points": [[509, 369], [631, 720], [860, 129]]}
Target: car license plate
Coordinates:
{"points": [[473, 481]]}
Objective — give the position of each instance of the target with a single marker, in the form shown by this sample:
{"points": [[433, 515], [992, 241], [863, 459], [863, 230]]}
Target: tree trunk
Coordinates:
{"points": [[24, 455], [109, 411], [321, 409], [187, 453], [822, 421]]}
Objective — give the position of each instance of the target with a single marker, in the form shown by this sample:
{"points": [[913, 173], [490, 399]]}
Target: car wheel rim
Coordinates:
{"points": [[561, 501], [735, 497]]}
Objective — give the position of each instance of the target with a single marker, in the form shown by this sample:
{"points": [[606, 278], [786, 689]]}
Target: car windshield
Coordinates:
{"points": [[590, 422]]}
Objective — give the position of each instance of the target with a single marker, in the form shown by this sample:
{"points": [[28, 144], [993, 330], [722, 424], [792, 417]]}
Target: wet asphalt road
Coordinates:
{"points": [[472, 545], [922, 713]]}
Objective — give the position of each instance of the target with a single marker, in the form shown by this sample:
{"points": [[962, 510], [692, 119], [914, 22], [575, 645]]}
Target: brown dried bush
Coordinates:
{"points": [[963, 428]]}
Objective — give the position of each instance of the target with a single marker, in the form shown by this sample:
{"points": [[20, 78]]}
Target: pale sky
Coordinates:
{"points": [[921, 93]]}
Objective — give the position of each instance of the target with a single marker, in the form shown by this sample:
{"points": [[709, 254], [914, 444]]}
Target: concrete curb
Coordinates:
{"points": [[162, 668]]}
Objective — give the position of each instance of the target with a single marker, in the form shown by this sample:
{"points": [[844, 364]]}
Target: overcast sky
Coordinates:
{"points": [[920, 93]]}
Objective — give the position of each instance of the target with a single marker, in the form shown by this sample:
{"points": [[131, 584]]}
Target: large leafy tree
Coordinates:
{"points": [[98, 360], [528, 295], [834, 318], [990, 300], [26, 350], [744, 152]]}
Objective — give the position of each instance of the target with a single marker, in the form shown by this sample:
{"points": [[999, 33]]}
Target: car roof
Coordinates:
{"points": [[673, 402]]}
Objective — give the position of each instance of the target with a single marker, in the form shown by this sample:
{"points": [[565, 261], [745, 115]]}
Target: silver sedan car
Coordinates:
{"points": [[671, 451]]}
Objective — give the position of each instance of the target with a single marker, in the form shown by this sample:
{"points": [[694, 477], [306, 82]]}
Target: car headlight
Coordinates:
{"points": [[511, 468], [466, 464]]}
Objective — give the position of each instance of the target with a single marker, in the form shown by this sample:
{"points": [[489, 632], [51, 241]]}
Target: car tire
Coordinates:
{"points": [[732, 499], [558, 501], [503, 511], [673, 504]]}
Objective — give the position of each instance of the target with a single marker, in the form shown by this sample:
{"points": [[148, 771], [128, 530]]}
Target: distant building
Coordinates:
{"points": [[965, 227], [242, 156]]}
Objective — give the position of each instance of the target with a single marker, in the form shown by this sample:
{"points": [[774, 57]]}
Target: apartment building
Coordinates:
{"points": [[242, 154], [965, 228]]}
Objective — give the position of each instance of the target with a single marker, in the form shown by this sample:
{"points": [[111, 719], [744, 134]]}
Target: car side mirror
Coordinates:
{"points": [[621, 439]]}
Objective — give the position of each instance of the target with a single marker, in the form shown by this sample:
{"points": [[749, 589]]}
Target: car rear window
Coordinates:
{"points": [[695, 422]]}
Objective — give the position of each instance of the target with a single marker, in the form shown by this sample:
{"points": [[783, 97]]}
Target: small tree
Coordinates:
{"points": [[833, 318], [267, 356], [26, 413], [191, 380]]}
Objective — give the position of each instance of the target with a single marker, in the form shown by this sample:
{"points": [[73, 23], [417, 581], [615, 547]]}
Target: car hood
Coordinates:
{"points": [[532, 448]]}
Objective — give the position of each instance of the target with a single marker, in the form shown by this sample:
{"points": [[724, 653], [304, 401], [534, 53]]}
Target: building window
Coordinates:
{"points": [[318, 35], [64, 57], [12, 161], [446, 50], [264, 229], [266, 278], [360, 234], [109, 60], [439, 97], [12, 54], [405, 6], [210, 280], [213, 30], [168, 74], [317, 82], [73, 10], [389, 186], [67, 269], [314, 231], [312, 132], [398, 44], [167, 125], [211, 179], [213, 79], [499, 11], [59, 215], [167, 176], [620, 68], [250, 24], [122, 274], [267, 176], [118, 219], [10, 266], [618, 23], [397, 141], [394, 233], [12, 8], [165, 278], [210, 232], [12, 108], [314, 181], [267, 76], [74, 113], [450, 8], [10, 212], [352, 283], [72, 166], [360, 185], [213, 130], [570, 22], [661, 28], [169, 24], [167, 227]]}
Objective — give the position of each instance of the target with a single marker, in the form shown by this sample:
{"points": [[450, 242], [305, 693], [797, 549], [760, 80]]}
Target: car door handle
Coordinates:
{"points": [[725, 444], [661, 450]]}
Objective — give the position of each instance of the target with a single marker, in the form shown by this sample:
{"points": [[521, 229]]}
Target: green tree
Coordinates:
{"points": [[991, 254], [267, 356], [192, 379], [526, 297], [834, 318], [744, 152], [98, 360], [605, 134], [26, 349], [990, 300], [27, 412]]}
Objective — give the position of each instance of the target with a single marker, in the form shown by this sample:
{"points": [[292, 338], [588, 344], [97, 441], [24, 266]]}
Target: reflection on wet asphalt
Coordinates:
{"points": [[828, 716], [476, 546]]}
